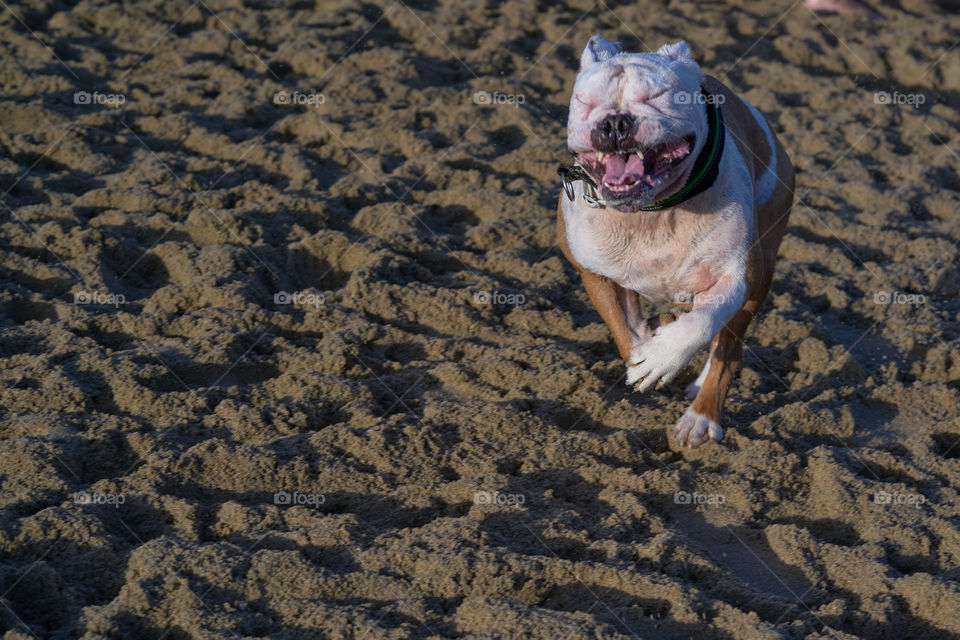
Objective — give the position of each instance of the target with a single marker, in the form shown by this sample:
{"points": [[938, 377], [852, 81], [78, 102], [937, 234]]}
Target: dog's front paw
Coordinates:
{"points": [[658, 360], [692, 429]]}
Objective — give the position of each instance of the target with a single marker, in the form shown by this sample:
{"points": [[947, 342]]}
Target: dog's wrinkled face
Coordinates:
{"points": [[637, 121]]}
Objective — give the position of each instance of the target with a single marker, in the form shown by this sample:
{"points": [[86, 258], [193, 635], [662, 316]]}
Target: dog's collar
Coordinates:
{"points": [[705, 168]]}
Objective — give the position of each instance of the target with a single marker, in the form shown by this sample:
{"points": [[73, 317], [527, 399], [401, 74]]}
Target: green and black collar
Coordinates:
{"points": [[705, 168]]}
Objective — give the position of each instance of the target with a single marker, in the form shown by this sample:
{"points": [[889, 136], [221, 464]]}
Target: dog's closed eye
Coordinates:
{"points": [[657, 94]]}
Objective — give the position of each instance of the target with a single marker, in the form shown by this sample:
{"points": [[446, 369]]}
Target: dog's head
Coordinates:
{"points": [[637, 121]]}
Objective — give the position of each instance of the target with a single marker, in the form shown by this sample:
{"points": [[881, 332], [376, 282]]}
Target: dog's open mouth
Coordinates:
{"points": [[624, 176]]}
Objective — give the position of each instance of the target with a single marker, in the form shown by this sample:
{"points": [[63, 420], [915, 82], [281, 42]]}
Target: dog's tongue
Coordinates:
{"points": [[621, 169]]}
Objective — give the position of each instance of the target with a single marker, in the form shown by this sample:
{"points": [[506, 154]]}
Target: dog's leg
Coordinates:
{"points": [[658, 360], [642, 329], [702, 418], [694, 387], [610, 300], [620, 310]]}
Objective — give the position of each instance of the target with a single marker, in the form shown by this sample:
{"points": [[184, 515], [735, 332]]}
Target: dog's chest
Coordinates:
{"points": [[658, 259]]}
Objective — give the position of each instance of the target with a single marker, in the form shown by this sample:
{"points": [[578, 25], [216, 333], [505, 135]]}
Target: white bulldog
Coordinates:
{"points": [[680, 193]]}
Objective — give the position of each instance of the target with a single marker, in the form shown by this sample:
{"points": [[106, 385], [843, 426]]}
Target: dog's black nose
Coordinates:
{"points": [[614, 133]]}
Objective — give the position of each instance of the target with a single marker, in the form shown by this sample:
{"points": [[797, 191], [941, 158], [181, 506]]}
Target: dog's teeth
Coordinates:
{"points": [[640, 155], [601, 156]]}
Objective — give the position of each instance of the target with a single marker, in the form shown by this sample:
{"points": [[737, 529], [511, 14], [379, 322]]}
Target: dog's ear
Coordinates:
{"points": [[678, 51], [598, 49], [679, 55]]}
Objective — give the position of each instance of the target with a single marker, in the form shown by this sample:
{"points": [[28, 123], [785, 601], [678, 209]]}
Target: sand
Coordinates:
{"points": [[287, 348]]}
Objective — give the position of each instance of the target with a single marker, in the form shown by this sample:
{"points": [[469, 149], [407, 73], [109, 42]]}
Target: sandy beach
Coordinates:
{"points": [[288, 351]]}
